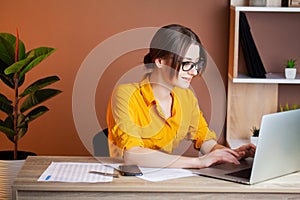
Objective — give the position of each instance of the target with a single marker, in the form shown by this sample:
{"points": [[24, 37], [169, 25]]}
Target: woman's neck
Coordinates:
{"points": [[160, 87], [162, 93]]}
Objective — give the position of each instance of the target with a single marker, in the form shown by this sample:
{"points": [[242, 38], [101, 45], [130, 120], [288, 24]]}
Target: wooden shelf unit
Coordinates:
{"points": [[249, 98], [234, 41]]}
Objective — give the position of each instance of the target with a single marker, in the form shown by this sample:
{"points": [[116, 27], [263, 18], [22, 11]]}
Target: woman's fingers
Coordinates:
{"points": [[225, 156], [247, 150]]}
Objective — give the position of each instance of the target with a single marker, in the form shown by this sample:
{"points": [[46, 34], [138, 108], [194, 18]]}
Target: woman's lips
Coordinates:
{"points": [[188, 79]]}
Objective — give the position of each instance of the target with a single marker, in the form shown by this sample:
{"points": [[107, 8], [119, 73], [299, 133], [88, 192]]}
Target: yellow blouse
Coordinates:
{"points": [[135, 118]]}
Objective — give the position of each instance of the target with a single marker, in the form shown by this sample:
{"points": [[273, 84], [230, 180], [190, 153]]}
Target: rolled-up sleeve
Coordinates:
{"points": [[123, 131], [200, 129]]}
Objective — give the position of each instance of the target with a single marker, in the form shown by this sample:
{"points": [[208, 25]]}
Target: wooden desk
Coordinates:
{"points": [[27, 187]]}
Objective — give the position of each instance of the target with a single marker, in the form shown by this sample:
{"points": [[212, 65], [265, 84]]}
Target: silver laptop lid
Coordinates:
{"points": [[278, 148]]}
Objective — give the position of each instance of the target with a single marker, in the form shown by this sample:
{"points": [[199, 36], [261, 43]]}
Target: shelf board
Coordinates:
{"points": [[265, 9], [277, 78]]}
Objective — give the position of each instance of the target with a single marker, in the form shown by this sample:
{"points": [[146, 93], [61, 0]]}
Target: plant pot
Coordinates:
{"points": [[290, 73], [9, 169], [254, 140]]}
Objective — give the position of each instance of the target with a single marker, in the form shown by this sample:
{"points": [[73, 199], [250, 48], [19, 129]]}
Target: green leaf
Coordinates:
{"points": [[38, 97], [7, 51], [39, 85], [33, 58], [22, 131], [5, 105], [6, 129], [35, 113], [4, 99], [7, 80], [18, 66], [21, 118], [39, 54], [22, 126], [7, 55], [8, 109], [7, 48], [24, 120], [21, 81], [9, 122], [291, 63]]}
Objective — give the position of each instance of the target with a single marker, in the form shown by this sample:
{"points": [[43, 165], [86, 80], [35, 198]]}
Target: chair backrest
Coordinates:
{"points": [[100, 144]]}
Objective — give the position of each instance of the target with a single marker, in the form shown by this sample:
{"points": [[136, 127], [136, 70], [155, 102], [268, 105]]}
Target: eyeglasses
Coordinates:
{"points": [[187, 66]]}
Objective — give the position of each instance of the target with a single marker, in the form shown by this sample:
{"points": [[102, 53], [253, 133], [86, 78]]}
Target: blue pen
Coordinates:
{"points": [[48, 177]]}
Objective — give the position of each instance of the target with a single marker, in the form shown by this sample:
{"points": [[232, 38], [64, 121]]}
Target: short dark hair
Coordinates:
{"points": [[173, 41]]}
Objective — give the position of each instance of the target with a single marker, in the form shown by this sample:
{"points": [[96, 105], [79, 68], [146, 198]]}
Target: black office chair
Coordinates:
{"points": [[100, 144]]}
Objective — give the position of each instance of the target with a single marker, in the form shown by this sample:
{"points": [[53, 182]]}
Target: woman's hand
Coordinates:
{"points": [[221, 154], [218, 156], [245, 151]]}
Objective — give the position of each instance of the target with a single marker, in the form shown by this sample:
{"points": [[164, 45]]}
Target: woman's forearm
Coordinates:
{"points": [[153, 158]]}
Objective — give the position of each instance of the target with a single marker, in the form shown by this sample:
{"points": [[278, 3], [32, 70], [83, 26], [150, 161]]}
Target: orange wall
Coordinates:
{"points": [[75, 27]]}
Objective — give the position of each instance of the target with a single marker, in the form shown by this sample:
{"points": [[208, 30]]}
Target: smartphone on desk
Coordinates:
{"points": [[130, 170]]}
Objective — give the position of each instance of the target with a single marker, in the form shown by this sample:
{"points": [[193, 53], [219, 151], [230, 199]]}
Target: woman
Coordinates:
{"points": [[147, 120]]}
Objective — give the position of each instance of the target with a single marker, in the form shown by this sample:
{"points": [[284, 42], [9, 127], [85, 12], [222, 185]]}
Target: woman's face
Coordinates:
{"points": [[184, 78]]}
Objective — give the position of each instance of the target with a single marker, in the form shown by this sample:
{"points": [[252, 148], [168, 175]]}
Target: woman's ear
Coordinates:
{"points": [[159, 62]]}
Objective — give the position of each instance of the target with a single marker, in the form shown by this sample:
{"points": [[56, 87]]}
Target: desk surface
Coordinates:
{"points": [[26, 186]]}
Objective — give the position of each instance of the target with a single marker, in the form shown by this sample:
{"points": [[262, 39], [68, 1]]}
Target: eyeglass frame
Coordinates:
{"points": [[199, 66], [202, 61]]}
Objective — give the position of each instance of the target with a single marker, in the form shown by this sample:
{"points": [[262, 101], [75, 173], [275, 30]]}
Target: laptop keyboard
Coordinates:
{"points": [[245, 173]]}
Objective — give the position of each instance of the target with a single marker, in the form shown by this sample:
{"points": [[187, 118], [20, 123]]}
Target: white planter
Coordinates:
{"points": [[290, 73], [9, 169], [254, 140]]}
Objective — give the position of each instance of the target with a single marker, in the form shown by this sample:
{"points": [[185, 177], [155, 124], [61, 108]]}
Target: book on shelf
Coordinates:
{"points": [[253, 61]]}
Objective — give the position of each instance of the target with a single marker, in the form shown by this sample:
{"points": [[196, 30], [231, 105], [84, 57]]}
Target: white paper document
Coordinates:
{"points": [[76, 172], [162, 174], [79, 172]]}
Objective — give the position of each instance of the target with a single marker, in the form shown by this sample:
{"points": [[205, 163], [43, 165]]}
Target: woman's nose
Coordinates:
{"points": [[193, 71]]}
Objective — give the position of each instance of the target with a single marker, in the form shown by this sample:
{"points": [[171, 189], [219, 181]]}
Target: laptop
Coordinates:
{"points": [[277, 152]]}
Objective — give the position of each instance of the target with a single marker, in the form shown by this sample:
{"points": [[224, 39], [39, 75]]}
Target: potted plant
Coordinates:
{"points": [[290, 70], [255, 134], [19, 105], [288, 107]]}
